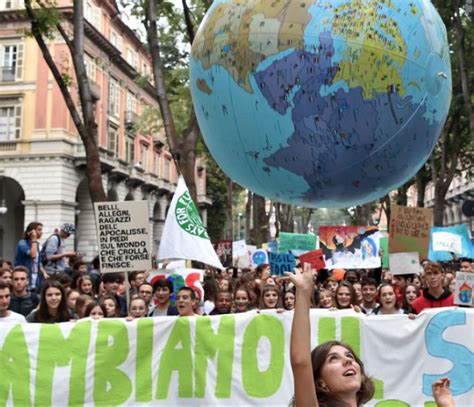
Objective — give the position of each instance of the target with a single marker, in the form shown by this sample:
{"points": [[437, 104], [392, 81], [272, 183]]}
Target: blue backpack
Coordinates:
{"points": [[43, 258]]}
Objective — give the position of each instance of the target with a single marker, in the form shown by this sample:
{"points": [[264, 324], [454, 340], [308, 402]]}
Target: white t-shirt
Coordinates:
{"points": [[13, 317]]}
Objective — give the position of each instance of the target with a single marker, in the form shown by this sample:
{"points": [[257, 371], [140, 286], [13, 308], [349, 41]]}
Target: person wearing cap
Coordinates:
{"points": [[55, 250]]}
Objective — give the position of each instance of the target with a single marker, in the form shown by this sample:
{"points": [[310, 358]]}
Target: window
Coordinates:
{"points": [[143, 155], [114, 97], [156, 163], [130, 102], [116, 40], [91, 67], [12, 62], [130, 149], [11, 4], [132, 57], [93, 14], [166, 171], [10, 122], [112, 144]]}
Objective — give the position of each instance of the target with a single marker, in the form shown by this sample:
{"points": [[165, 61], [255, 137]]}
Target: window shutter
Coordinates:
{"points": [[18, 110], [20, 53]]}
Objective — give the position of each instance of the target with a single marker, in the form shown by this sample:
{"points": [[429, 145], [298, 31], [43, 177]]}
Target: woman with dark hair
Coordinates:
{"points": [[241, 300], [53, 304], [346, 297], [95, 310], [387, 300], [409, 294], [111, 306], [331, 375]]}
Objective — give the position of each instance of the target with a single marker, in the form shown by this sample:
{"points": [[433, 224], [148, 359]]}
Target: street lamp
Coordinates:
{"points": [[3, 203]]}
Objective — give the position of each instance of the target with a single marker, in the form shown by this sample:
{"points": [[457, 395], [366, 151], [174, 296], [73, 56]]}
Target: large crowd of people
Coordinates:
{"points": [[51, 285], [48, 285]]}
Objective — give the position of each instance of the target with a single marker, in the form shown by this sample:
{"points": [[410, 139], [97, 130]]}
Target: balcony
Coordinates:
{"points": [[131, 119], [159, 141], [8, 74]]}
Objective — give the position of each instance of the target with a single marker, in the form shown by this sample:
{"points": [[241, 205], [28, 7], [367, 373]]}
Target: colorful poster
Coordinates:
{"points": [[258, 257], [223, 249], [281, 262], [404, 263], [450, 237], [384, 250], [410, 230], [350, 246], [230, 360], [180, 277], [315, 258], [464, 289], [296, 243]]}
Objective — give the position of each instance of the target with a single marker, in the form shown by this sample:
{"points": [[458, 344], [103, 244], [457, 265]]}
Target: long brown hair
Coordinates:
{"points": [[43, 314], [327, 399]]}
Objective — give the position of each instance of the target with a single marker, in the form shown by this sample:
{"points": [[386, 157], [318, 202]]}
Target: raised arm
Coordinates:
{"points": [[300, 347]]}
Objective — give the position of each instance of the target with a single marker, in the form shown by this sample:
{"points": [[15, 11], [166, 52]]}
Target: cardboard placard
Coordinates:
{"points": [[296, 243], [315, 258], [223, 249], [410, 230], [281, 262], [239, 248], [404, 263], [123, 231], [350, 246], [464, 287]]}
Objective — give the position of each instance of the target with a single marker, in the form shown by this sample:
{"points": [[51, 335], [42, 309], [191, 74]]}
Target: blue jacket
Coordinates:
{"points": [[22, 258]]}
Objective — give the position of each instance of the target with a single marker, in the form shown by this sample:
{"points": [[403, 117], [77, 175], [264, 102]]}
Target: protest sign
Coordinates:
{"points": [[231, 360], [273, 246], [223, 249], [464, 289], [296, 243], [410, 230], [281, 262], [404, 263], [384, 250], [450, 237], [350, 246], [258, 256], [239, 248], [315, 258], [181, 277], [123, 232]]}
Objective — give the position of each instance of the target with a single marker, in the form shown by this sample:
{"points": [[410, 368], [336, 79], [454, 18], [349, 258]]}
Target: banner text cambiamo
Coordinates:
{"points": [[238, 359]]}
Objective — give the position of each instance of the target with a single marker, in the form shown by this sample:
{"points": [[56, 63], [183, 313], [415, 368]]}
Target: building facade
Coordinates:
{"points": [[42, 158]]}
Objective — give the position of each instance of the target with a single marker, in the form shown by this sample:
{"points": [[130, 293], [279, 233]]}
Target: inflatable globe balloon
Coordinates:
{"points": [[327, 103]]}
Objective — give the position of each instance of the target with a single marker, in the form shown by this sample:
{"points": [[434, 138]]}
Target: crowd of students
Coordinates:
{"points": [[82, 291], [79, 290]]}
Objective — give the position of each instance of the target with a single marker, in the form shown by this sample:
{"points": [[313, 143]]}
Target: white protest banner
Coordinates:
{"points": [[447, 242], [123, 231], [230, 360], [184, 235], [404, 263], [464, 289]]}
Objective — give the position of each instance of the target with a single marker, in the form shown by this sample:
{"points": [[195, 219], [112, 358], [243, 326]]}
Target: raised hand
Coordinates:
{"points": [[302, 280], [442, 393]]}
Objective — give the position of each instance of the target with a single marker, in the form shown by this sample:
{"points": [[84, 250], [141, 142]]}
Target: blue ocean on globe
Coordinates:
{"points": [[328, 103]]}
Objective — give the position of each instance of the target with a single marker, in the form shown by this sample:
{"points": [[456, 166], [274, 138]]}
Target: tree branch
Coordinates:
{"points": [[188, 21]]}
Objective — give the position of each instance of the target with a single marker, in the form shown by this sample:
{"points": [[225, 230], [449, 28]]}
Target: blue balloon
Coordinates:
{"points": [[327, 103]]}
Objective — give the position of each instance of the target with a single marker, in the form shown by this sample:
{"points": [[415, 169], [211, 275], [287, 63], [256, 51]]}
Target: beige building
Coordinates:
{"points": [[41, 156]]}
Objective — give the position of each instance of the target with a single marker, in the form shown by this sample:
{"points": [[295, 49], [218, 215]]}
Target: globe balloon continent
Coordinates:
{"points": [[328, 103]]}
